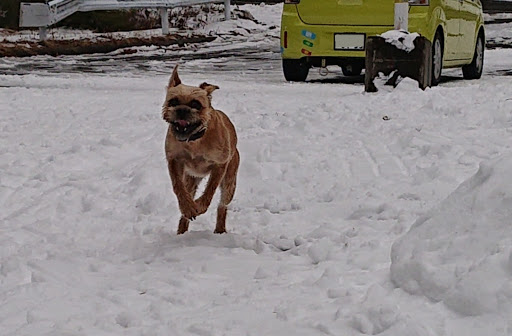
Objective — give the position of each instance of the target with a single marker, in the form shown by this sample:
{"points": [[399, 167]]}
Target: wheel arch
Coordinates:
{"points": [[442, 33], [481, 31]]}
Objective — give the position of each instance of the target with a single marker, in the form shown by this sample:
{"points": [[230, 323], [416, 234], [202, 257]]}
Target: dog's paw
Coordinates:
{"points": [[202, 205], [189, 210]]}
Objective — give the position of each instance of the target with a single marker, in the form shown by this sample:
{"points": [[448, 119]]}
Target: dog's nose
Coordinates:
{"points": [[182, 113]]}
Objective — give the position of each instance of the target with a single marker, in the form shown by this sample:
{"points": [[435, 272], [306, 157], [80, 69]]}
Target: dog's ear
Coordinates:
{"points": [[209, 88], [175, 79]]}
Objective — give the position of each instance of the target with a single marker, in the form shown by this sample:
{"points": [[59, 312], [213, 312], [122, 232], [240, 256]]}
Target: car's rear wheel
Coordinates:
{"points": [[474, 70], [295, 70], [352, 69], [437, 58]]}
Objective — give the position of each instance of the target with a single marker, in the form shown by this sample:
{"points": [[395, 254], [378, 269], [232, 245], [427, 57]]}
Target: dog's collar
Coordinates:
{"points": [[195, 136]]}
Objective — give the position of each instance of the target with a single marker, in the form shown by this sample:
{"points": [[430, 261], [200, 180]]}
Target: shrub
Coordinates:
{"points": [[9, 13]]}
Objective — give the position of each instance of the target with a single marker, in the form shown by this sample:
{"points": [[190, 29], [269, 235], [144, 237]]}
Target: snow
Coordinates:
{"points": [[344, 222], [499, 33], [401, 39], [450, 253], [63, 33]]}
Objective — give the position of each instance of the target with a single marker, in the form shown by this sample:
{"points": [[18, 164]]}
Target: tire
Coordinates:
{"points": [[351, 69], [474, 70], [295, 70], [437, 59]]}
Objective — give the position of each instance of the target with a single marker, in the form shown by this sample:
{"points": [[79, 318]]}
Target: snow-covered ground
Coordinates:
{"points": [[320, 239]]}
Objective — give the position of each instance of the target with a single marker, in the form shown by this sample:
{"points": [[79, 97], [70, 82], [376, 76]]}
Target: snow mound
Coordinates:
{"points": [[460, 253], [400, 39], [380, 316]]}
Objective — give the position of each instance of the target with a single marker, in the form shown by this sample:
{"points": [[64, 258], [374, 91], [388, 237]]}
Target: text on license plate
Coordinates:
{"points": [[349, 41]]}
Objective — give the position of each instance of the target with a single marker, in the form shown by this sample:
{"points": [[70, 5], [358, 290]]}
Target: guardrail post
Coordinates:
{"points": [[43, 33], [164, 17], [227, 10]]}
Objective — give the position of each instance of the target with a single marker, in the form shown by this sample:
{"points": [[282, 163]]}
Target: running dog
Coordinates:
{"points": [[201, 141]]}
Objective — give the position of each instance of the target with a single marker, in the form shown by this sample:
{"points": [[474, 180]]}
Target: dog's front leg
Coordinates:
{"points": [[186, 204], [216, 177]]}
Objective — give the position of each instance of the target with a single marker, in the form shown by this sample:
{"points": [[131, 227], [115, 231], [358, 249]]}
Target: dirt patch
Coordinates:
{"points": [[88, 46], [498, 45]]}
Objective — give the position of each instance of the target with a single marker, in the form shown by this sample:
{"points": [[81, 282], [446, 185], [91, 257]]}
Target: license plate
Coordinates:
{"points": [[349, 41]]}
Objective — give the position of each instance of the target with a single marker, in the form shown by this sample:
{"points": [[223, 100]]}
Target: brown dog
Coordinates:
{"points": [[200, 141]]}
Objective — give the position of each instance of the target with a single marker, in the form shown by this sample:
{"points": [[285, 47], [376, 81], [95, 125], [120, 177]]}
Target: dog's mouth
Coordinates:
{"points": [[183, 130]]}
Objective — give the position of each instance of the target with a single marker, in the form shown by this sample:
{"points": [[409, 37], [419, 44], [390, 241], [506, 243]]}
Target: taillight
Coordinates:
{"points": [[291, 1], [306, 52], [285, 42], [419, 2]]}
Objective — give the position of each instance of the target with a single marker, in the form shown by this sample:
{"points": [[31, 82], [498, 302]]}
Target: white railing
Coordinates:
{"points": [[60, 9], [44, 15]]}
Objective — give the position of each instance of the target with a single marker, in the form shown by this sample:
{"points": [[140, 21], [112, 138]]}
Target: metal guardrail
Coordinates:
{"points": [[43, 15]]}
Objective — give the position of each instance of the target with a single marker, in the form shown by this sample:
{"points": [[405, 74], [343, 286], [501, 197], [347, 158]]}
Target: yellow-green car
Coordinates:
{"points": [[316, 33]]}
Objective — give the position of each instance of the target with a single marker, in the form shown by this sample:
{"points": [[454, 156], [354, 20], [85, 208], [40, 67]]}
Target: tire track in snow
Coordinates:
{"points": [[33, 204], [400, 164], [371, 159]]}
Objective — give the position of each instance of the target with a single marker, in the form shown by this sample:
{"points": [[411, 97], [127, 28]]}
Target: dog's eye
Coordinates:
{"points": [[195, 104], [173, 102]]}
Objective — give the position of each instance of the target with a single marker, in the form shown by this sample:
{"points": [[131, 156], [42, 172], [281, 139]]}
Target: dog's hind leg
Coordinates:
{"points": [[191, 184], [227, 188]]}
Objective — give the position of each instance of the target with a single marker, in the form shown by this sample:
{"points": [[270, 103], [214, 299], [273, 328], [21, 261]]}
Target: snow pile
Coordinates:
{"points": [[380, 315], [460, 253], [249, 20], [400, 39]]}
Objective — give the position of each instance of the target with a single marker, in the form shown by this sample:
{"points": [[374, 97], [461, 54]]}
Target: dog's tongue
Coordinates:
{"points": [[182, 123]]}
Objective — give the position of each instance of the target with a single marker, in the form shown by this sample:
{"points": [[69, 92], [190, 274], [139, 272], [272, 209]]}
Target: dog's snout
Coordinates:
{"points": [[182, 113]]}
